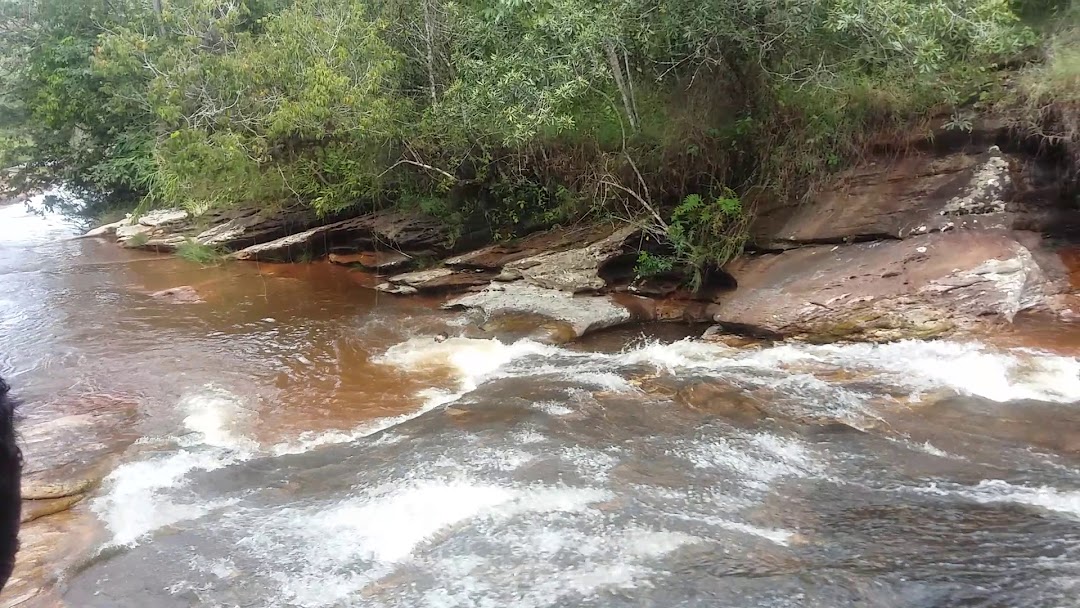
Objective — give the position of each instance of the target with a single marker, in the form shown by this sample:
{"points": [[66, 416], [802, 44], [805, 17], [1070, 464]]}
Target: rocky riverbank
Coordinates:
{"points": [[957, 234]]}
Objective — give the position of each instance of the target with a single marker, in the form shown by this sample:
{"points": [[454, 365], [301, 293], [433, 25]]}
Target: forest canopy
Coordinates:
{"points": [[520, 112]]}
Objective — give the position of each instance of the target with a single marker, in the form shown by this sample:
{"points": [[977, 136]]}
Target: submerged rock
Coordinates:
{"points": [[374, 260], [185, 294]]}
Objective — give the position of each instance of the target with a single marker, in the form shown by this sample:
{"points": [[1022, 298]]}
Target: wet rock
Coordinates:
{"points": [[719, 335], [720, 399], [36, 509], [159, 230], [402, 231], [573, 270], [39, 490], [894, 198], [435, 280], [517, 326], [922, 287], [234, 229], [374, 260], [107, 230], [185, 294], [582, 314]]}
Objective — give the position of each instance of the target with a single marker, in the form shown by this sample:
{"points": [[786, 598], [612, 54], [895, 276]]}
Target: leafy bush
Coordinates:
{"points": [[504, 113]]}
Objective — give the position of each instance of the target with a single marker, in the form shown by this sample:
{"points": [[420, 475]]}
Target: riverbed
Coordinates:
{"points": [[293, 439]]}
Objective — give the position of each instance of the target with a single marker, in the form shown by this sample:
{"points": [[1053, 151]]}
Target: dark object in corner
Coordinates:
{"points": [[10, 486]]}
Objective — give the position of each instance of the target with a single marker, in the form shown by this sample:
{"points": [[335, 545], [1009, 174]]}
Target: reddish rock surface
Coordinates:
{"points": [[920, 287]]}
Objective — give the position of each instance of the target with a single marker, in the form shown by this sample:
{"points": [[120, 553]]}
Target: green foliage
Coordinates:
{"points": [[138, 240], [1057, 80], [505, 114], [708, 231], [204, 255], [650, 265]]}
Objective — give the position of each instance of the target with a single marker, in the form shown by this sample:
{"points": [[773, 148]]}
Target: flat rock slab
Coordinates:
{"points": [[495, 257], [373, 260], [572, 270], [435, 280], [403, 231], [917, 288], [893, 199], [582, 314]]}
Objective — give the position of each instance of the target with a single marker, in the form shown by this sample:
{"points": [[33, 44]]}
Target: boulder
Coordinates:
{"points": [[921, 287], [890, 198], [162, 218], [107, 230], [234, 229], [572, 270], [159, 230], [402, 231], [581, 313]]}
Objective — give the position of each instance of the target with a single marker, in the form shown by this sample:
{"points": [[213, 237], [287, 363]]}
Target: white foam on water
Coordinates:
{"points": [[323, 555], [553, 408], [216, 418], [593, 464], [432, 398], [1000, 491], [677, 355], [556, 563], [755, 460], [137, 500], [778, 536], [136, 503], [470, 360], [498, 459], [969, 368]]}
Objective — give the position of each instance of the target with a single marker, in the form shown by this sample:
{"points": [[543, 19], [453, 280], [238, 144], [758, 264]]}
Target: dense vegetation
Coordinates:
{"points": [[509, 113]]}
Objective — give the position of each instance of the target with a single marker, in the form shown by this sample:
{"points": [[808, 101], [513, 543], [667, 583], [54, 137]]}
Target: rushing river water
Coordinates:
{"points": [[295, 440]]}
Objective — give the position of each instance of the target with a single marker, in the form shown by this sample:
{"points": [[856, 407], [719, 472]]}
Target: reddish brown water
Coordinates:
{"points": [[99, 363], [261, 451]]}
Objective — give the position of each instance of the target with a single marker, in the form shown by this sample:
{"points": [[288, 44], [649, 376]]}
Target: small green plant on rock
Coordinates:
{"points": [[138, 240], [650, 265], [205, 255], [708, 231]]}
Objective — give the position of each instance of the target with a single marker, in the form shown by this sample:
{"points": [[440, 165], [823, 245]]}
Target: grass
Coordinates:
{"points": [[138, 240], [204, 255]]}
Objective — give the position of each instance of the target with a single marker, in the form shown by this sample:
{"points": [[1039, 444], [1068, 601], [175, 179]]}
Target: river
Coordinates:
{"points": [[294, 440]]}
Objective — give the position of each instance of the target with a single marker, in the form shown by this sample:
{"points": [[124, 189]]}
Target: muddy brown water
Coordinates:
{"points": [[295, 440]]}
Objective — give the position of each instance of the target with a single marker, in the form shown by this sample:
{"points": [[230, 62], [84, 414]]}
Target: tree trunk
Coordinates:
{"points": [[620, 81], [429, 43], [160, 21]]}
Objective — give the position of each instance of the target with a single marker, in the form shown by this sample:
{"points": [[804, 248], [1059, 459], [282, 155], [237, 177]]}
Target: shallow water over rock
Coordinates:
{"points": [[292, 439]]}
